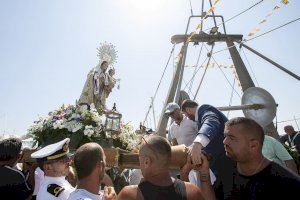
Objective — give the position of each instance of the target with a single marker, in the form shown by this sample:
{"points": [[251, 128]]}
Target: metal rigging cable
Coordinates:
{"points": [[240, 13], [244, 41], [153, 98], [231, 96], [274, 29], [195, 73], [250, 66], [232, 87], [197, 63], [289, 120], [209, 54], [189, 89], [191, 7]]}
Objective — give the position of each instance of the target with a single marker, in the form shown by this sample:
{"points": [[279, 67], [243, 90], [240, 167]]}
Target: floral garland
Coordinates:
{"points": [[81, 124]]}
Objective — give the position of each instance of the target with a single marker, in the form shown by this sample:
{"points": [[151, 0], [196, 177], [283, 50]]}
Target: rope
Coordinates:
{"points": [[153, 98]]}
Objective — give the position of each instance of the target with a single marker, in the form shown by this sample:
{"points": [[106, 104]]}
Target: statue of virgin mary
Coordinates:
{"points": [[94, 87]]}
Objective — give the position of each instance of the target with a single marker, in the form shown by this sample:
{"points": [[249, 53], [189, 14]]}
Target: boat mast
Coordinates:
{"points": [[214, 36]]}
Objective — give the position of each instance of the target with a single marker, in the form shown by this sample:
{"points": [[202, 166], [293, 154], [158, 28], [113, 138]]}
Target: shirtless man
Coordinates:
{"points": [[155, 156]]}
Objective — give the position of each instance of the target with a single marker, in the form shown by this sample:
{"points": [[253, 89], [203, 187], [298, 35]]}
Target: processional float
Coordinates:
{"points": [[256, 103]]}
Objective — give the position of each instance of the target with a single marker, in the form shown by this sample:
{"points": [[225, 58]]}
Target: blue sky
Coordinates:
{"points": [[48, 47]]}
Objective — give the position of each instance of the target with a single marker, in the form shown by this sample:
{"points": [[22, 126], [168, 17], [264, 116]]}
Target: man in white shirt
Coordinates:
{"points": [[89, 161], [55, 159], [182, 130]]}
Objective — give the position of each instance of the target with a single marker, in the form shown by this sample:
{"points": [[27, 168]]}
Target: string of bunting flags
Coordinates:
{"points": [[251, 34], [263, 21], [212, 64], [198, 27]]}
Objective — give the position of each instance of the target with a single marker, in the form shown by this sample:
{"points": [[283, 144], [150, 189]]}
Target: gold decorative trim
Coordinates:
{"points": [[57, 156]]}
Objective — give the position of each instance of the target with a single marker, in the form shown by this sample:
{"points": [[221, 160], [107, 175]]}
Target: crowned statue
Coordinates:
{"points": [[100, 80]]}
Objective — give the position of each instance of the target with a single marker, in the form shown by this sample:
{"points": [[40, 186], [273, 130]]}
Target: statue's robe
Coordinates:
{"points": [[93, 90]]}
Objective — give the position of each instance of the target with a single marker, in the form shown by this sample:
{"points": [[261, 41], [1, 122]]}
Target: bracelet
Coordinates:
{"points": [[204, 177]]}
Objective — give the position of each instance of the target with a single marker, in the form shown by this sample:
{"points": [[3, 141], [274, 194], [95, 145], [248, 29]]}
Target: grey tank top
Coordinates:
{"points": [[176, 191]]}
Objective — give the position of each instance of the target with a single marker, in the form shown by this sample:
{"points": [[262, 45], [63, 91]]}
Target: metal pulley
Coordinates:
{"points": [[257, 104], [265, 115]]}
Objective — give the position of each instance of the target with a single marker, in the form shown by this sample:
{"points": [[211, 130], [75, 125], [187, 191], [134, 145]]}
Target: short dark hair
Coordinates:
{"points": [[86, 158], [10, 148], [289, 127], [188, 104], [159, 146], [250, 125]]}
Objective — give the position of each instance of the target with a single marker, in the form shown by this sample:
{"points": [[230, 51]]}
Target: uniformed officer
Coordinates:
{"points": [[55, 159]]}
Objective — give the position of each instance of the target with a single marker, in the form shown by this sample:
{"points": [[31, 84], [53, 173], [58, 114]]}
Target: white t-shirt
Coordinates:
{"points": [[185, 132], [82, 194]]}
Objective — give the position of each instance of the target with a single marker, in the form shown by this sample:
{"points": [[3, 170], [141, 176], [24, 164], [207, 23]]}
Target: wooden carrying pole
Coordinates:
{"points": [[116, 157]]}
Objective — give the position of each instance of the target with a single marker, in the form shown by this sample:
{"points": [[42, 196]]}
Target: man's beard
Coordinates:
{"points": [[62, 173], [101, 176], [191, 117]]}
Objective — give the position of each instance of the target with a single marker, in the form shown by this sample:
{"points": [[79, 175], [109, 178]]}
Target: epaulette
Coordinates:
{"points": [[55, 189]]}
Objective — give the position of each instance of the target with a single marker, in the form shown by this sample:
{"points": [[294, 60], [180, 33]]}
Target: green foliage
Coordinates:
{"points": [[81, 124]]}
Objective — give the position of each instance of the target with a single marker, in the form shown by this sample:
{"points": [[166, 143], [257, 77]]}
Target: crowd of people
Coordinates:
{"points": [[227, 159]]}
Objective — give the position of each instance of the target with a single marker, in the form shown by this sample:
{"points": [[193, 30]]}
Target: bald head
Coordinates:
{"points": [[157, 147], [86, 158]]}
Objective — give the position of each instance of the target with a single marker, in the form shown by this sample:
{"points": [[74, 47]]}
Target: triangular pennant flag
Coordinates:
{"points": [[269, 14], [216, 1], [199, 26], [285, 1], [276, 7], [263, 21], [211, 9]]}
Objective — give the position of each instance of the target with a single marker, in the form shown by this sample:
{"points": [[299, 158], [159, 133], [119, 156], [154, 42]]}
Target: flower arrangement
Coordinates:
{"points": [[82, 124]]}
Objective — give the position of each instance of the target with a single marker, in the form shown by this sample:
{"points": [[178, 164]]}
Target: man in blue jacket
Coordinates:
{"points": [[210, 136]]}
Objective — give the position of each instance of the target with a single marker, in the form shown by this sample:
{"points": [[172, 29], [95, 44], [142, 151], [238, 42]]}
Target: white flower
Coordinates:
{"points": [[58, 124], [92, 106], [83, 108], [76, 127], [88, 127], [88, 131], [68, 112]]}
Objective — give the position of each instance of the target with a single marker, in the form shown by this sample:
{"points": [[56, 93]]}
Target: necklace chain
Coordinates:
{"points": [[258, 166]]}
